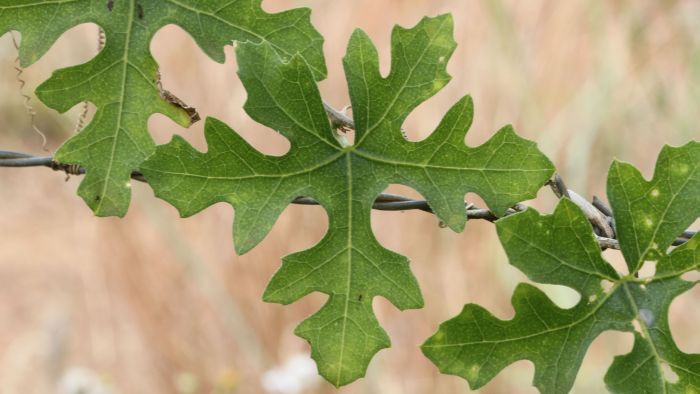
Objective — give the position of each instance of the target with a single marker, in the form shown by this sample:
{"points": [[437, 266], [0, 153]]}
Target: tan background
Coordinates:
{"points": [[152, 302]]}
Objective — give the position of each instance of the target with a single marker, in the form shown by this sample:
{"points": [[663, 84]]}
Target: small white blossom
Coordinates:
{"points": [[297, 375]]}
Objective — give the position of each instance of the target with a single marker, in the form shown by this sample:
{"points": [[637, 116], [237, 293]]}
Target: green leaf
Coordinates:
{"points": [[561, 249], [649, 215], [348, 264], [121, 79]]}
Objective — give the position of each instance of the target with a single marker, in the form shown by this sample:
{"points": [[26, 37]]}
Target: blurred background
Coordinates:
{"points": [[157, 304]]}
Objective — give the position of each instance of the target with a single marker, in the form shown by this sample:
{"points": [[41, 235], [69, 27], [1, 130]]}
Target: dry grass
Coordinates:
{"points": [[153, 299]]}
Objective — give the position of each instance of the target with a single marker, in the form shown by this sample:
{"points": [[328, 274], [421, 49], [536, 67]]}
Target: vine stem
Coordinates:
{"points": [[29, 108], [597, 212]]}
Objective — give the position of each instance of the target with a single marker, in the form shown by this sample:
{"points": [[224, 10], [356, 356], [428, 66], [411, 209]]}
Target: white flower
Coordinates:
{"points": [[78, 380], [295, 376]]}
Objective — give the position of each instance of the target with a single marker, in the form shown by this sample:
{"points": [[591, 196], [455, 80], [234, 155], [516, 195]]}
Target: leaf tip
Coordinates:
{"points": [[243, 245], [358, 35]]}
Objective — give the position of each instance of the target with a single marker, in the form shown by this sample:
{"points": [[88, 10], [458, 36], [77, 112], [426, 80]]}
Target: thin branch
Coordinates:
{"points": [[597, 218], [597, 213], [18, 159], [558, 186], [600, 215], [608, 243], [338, 119], [602, 223], [602, 207], [12, 155], [24, 161]]}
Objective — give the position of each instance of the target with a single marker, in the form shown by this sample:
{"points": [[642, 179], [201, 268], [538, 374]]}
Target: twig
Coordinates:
{"points": [[602, 207], [17, 159], [390, 202], [558, 186], [601, 221], [338, 119], [26, 161], [597, 218], [600, 215], [383, 202], [608, 243], [688, 234]]}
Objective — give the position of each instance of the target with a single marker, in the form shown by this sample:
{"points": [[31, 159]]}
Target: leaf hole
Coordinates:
{"points": [[212, 88], [77, 45], [606, 285], [683, 320], [384, 223], [425, 118], [669, 374], [515, 378], [637, 327], [563, 296], [647, 270], [308, 223], [692, 276], [346, 138], [81, 115], [616, 260], [598, 357]]}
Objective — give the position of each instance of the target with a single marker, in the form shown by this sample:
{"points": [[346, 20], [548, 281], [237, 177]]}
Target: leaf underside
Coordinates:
{"points": [[561, 249], [121, 79], [348, 264]]}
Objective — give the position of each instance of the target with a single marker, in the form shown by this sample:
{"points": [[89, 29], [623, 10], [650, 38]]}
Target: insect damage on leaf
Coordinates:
{"points": [[348, 264], [121, 79], [561, 249]]}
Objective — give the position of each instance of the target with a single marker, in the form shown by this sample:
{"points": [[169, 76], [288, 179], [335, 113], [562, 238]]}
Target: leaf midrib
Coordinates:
{"points": [[369, 156], [349, 246], [544, 332], [120, 113], [330, 160], [563, 262]]}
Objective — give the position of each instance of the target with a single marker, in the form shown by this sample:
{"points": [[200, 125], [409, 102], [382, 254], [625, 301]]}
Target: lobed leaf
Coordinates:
{"points": [[561, 249], [121, 79], [348, 264], [649, 215]]}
